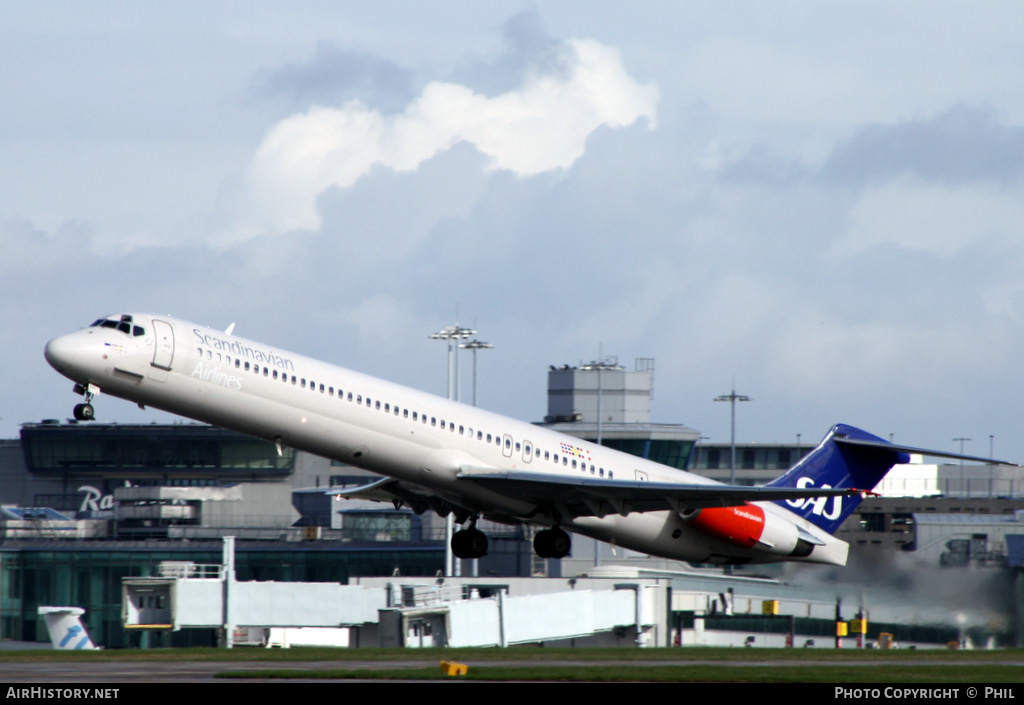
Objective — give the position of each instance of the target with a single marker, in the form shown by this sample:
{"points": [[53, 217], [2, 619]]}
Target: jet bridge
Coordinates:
{"points": [[398, 612], [625, 615], [189, 595]]}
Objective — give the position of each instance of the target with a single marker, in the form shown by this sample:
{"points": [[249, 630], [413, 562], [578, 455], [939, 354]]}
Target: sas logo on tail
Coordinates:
{"points": [[818, 509]]}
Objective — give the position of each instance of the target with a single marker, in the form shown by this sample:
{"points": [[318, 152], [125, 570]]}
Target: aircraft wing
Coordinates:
{"points": [[583, 496], [588, 496]]}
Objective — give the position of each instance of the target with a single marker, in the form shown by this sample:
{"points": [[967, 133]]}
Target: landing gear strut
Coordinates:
{"points": [[552, 543], [469, 543], [84, 412]]}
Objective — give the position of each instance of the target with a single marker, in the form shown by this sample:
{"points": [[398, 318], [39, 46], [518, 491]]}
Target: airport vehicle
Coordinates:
{"points": [[437, 454]]}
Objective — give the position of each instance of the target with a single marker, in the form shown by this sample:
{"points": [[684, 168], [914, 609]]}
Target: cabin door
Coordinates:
{"points": [[163, 354]]}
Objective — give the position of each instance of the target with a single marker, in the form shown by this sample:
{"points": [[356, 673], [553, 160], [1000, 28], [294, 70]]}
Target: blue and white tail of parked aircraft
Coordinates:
{"points": [[67, 633], [437, 454]]}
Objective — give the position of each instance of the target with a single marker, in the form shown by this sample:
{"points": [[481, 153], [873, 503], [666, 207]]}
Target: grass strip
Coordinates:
{"points": [[524, 653], [904, 674]]}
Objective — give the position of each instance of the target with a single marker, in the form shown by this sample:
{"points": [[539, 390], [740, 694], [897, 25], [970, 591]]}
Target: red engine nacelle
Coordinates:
{"points": [[750, 526]]}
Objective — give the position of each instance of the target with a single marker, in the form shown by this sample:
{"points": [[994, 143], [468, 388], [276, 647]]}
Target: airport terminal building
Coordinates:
{"points": [[86, 507]]}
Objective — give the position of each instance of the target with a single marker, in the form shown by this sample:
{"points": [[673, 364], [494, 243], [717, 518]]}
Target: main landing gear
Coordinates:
{"points": [[85, 412], [552, 543], [548, 543], [469, 543]]}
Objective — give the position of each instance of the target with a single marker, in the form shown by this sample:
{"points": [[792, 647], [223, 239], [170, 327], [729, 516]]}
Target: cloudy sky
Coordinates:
{"points": [[820, 199]]}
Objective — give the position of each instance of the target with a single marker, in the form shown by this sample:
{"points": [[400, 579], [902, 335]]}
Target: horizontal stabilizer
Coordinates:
{"points": [[920, 451]]}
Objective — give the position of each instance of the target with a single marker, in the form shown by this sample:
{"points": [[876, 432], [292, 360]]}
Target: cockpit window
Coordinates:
{"points": [[124, 325]]}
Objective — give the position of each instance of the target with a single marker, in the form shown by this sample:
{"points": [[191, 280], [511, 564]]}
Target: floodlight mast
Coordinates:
{"points": [[451, 334], [475, 345], [963, 486], [732, 397]]}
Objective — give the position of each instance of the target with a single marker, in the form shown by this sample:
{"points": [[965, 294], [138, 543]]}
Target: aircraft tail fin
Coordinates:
{"points": [[837, 464], [66, 629], [847, 458]]}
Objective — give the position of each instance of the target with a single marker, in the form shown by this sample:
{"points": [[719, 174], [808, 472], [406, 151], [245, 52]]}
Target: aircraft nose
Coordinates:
{"points": [[60, 352]]}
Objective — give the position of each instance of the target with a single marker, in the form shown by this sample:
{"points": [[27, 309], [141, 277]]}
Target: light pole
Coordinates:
{"points": [[475, 345], [732, 397], [450, 334], [962, 480], [446, 334]]}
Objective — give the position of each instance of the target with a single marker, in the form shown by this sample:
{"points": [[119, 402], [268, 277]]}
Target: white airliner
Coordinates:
{"points": [[452, 458]]}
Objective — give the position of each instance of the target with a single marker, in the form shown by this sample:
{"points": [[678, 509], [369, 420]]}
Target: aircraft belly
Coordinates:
{"points": [[649, 532], [667, 534], [833, 552]]}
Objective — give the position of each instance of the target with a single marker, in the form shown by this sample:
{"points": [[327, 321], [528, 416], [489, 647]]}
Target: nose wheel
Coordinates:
{"points": [[85, 411]]}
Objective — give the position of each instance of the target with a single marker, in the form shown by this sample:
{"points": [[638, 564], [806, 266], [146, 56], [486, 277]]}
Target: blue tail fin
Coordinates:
{"points": [[846, 458]]}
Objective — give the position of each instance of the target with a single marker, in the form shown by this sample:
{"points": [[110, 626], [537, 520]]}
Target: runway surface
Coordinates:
{"points": [[114, 672]]}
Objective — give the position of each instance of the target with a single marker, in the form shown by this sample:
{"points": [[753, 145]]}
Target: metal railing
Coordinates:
{"points": [[188, 569]]}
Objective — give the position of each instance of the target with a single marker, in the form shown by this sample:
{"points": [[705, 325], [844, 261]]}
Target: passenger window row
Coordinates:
{"points": [[387, 408]]}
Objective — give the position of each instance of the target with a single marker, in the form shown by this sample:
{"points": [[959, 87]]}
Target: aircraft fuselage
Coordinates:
{"points": [[418, 438]]}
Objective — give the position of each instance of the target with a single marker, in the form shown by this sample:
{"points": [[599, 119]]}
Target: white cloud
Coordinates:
{"points": [[541, 127]]}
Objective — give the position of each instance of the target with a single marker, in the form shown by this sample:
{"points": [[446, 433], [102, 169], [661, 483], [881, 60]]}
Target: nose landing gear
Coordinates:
{"points": [[85, 411]]}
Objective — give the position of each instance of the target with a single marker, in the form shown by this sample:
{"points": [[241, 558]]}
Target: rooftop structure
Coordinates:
{"points": [[604, 390], [603, 402]]}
